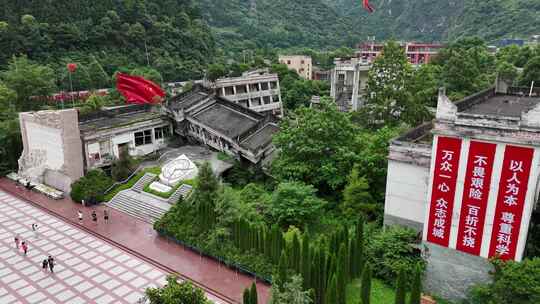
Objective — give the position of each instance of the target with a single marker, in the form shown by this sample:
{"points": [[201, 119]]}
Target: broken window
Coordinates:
{"points": [[143, 138], [255, 102], [266, 99], [264, 86], [273, 85], [254, 87]]}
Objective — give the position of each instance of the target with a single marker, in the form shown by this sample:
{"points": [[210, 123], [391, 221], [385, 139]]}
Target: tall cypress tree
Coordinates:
{"points": [[365, 292], [331, 294], [305, 261], [246, 299], [341, 273], [296, 251], [253, 294], [416, 292], [401, 287], [282, 269], [360, 254]]}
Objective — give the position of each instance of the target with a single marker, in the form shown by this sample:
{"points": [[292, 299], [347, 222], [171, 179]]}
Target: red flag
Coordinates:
{"points": [[368, 6], [138, 90]]}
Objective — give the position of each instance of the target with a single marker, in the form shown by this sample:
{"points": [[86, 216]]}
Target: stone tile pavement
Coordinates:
{"points": [[87, 270]]}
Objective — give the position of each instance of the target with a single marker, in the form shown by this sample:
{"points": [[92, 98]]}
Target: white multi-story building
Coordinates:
{"points": [[256, 90], [348, 81]]}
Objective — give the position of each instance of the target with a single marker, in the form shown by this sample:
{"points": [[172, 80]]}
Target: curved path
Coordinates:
{"points": [[139, 239]]}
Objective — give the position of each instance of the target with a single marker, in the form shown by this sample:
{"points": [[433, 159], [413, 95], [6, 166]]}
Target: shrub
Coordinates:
{"points": [[513, 283], [390, 249], [295, 203], [123, 167], [91, 187]]}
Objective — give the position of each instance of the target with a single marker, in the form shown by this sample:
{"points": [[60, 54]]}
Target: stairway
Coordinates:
{"points": [[183, 191], [143, 181], [139, 205]]}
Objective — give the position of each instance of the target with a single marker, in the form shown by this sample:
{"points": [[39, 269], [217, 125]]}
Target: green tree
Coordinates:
{"points": [[122, 167], [8, 99], [531, 72], [99, 79], [389, 100], [253, 294], [174, 293], [206, 185], [365, 291], [215, 71], [295, 203], [416, 289], [401, 288], [10, 144], [356, 196], [28, 79], [332, 292], [246, 297], [148, 73], [290, 293], [91, 187], [316, 146]]}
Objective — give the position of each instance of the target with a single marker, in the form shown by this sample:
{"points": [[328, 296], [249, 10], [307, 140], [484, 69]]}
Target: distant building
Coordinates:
{"points": [[322, 75], [417, 53], [223, 125], [255, 90], [534, 40], [468, 182], [511, 41], [348, 81], [299, 63]]}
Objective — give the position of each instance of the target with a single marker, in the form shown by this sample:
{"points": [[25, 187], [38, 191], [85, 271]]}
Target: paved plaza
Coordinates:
{"points": [[87, 270]]}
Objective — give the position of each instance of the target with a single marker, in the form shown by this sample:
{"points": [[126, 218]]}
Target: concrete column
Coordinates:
{"points": [[249, 95], [234, 89], [223, 91], [356, 88]]}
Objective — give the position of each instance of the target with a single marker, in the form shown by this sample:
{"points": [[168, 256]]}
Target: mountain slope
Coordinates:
{"points": [[331, 23]]}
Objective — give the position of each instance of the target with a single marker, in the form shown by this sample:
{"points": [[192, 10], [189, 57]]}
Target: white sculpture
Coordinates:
{"points": [[178, 169]]}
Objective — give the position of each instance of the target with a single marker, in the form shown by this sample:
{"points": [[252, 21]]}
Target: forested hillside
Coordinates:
{"points": [[115, 33], [332, 23]]}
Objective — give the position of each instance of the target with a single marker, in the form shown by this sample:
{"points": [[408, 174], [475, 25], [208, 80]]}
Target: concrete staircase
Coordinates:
{"points": [[183, 191], [143, 181], [139, 205]]}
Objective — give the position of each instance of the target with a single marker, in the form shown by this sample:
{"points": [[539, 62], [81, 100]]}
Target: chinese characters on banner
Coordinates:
{"points": [[443, 190], [510, 201], [475, 197]]}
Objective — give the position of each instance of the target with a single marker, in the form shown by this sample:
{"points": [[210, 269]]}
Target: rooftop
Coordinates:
{"points": [[117, 117], [504, 105], [261, 138], [225, 120]]}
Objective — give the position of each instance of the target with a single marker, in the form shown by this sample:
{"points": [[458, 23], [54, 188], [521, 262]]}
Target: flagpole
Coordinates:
{"points": [[71, 93]]}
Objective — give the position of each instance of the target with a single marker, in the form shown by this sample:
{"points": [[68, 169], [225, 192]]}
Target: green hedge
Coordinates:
{"points": [[130, 183]]}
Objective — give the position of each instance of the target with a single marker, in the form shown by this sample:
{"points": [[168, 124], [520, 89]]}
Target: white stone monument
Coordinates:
{"points": [[175, 171]]}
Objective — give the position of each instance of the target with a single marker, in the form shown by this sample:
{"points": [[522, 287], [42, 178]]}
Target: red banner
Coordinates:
{"points": [[475, 197], [510, 201], [443, 190]]}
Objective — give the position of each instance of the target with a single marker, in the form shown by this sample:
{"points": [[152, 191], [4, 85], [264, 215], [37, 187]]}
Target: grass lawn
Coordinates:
{"points": [[131, 182], [380, 292]]}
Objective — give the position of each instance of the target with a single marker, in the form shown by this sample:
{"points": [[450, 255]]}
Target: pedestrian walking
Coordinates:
{"points": [[79, 214], [106, 216], [17, 242], [94, 216], [24, 247], [50, 260], [35, 229], [45, 264], [83, 203]]}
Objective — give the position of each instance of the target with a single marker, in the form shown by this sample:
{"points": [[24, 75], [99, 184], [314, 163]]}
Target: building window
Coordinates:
{"points": [[273, 85], [143, 138], [275, 98], [288, 62], [264, 86], [243, 103], [163, 132], [267, 100], [229, 91], [254, 87], [255, 102], [241, 89], [302, 62]]}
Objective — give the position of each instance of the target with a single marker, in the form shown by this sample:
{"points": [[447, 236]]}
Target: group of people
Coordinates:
{"points": [[47, 263], [21, 245], [94, 216]]}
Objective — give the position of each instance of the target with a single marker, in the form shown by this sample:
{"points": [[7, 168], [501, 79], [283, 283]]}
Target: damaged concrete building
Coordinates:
{"points": [[59, 146], [468, 182], [223, 125]]}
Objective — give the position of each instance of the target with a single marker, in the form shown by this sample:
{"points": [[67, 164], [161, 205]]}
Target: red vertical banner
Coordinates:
{"points": [[475, 196], [513, 185], [443, 191]]}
